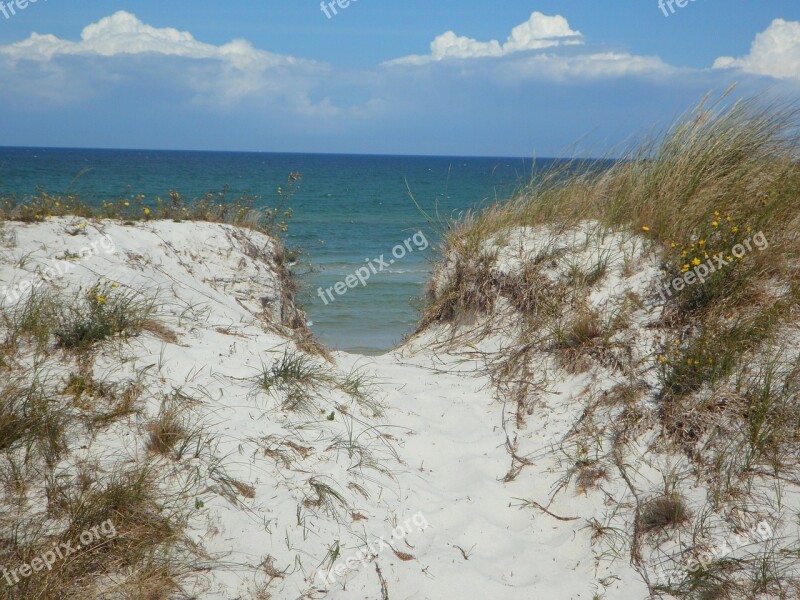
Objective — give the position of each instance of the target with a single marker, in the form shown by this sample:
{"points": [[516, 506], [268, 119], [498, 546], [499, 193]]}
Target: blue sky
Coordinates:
{"points": [[517, 77]]}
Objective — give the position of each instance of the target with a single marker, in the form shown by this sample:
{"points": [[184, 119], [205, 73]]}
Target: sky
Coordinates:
{"points": [[508, 78]]}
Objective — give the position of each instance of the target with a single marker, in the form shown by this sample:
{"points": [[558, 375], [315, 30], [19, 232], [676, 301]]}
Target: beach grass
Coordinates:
{"points": [[246, 211], [720, 187], [719, 173]]}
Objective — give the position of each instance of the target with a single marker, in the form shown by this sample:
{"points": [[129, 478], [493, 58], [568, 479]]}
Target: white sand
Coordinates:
{"points": [[440, 446]]}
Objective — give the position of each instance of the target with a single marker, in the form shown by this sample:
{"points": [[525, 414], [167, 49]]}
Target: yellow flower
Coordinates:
{"points": [[100, 299], [58, 204], [728, 219], [716, 213], [115, 285], [729, 258], [676, 342], [696, 261], [661, 359], [672, 245], [146, 210], [749, 229], [735, 230], [127, 203], [684, 268], [689, 362], [644, 227], [701, 243], [715, 223], [683, 254]]}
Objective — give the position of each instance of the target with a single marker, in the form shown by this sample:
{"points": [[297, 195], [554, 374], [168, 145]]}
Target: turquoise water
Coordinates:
{"points": [[348, 210]]}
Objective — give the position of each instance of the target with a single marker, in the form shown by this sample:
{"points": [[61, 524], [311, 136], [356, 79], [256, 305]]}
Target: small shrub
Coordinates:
{"points": [[165, 433], [583, 331], [293, 368], [29, 420], [663, 512], [102, 313], [30, 319]]}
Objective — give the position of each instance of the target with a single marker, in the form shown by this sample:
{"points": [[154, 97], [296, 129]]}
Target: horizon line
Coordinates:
{"points": [[301, 153]]}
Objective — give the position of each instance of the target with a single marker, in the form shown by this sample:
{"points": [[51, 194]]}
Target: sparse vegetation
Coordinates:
{"points": [[300, 381], [96, 426], [699, 387], [707, 365], [102, 313], [213, 207], [663, 512]]}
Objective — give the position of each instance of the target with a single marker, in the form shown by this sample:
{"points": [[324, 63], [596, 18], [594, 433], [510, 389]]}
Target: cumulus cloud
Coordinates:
{"points": [[221, 74], [124, 34], [538, 32], [775, 52], [562, 54], [585, 67]]}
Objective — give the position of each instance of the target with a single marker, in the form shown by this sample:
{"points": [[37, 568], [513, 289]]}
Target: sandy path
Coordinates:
{"points": [[450, 437]]}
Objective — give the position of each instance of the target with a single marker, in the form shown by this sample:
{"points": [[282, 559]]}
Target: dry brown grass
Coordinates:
{"points": [[590, 477], [165, 433], [738, 161], [137, 540], [663, 512], [726, 395]]}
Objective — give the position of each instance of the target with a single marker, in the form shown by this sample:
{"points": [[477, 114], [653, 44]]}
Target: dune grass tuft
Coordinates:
{"points": [[720, 175], [663, 512]]}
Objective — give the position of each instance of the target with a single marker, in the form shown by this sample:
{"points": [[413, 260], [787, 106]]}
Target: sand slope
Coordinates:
{"points": [[333, 499]]}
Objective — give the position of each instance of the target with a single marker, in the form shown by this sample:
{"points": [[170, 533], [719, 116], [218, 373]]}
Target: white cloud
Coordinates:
{"points": [[540, 31], [585, 67], [550, 35], [124, 34], [775, 52], [450, 45], [215, 75]]}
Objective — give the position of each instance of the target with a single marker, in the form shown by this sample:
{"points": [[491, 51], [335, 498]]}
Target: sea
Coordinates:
{"points": [[349, 211]]}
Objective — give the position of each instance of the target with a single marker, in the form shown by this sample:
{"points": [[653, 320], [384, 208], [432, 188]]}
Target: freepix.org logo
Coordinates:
{"points": [[56, 269], [329, 8], [374, 266], [61, 551], [664, 4], [10, 8]]}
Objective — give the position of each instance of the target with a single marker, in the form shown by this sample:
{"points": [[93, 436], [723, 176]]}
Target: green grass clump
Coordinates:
{"points": [[302, 382], [30, 421], [102, 313], [30, 319], [292, 368], [213, 207], [45, 318]]}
